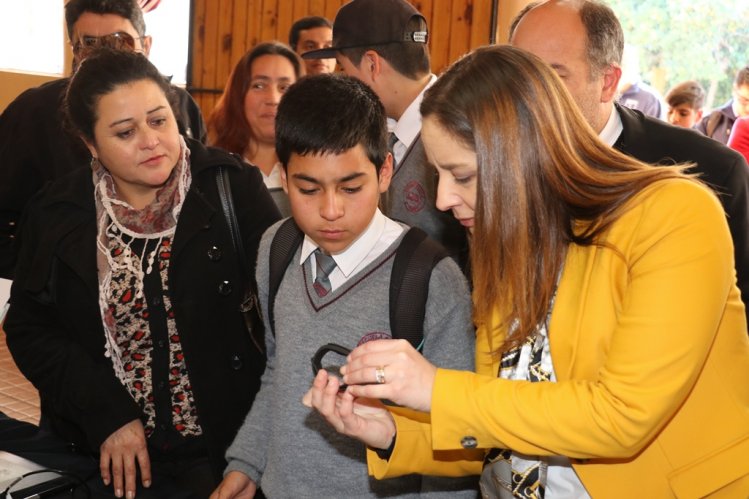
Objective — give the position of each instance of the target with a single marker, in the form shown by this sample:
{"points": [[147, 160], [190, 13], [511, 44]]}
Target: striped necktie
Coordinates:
{"points": [[392, 139], [325, 265]]}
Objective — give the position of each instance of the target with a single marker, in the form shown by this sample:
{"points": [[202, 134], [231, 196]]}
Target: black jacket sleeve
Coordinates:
{"points": [[54, 332]]}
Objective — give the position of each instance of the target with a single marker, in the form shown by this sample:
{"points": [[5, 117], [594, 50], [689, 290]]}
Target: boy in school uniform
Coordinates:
{"points": [[331, 138]]}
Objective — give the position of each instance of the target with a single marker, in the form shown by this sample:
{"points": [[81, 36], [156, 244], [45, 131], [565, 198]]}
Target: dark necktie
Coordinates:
{"points": [[325, 265], [392, 139]]}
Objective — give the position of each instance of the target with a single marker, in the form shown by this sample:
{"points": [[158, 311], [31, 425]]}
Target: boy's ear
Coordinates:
{"points": [[371, 63], [699, 115], [284, 181], [386, 173]]}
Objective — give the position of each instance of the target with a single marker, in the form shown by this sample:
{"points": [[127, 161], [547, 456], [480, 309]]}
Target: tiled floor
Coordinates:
{"points": [[18, 398]]}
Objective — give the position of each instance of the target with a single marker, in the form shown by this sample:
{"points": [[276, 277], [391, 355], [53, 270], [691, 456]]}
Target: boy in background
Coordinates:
{"points": [[685, 101], [331, 139]]}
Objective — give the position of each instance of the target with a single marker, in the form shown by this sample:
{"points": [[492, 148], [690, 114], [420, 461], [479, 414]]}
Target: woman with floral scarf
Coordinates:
{"points": [[125, 308]]}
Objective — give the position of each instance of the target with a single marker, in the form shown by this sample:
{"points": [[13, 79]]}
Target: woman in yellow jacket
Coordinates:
{"points": [[612, 353]]}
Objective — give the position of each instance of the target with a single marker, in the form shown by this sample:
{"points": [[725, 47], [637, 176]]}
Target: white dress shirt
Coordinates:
{"points": [[409, 124], [376, 238]]}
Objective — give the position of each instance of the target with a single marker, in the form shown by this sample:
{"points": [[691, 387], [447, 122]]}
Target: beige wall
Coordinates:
{"points": [[508, 9], [12, 84]]}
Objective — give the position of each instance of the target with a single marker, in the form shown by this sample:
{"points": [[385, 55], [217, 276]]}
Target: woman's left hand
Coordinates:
{"points": [[364, 419], [390, 370], [122, 455]]}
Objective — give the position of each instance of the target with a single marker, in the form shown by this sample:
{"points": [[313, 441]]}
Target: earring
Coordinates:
{"points": [[95, 164]]}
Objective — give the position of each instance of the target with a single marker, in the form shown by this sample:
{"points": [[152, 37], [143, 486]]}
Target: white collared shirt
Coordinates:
{"points": [[613, 128], [409, 124], [376, 238]]}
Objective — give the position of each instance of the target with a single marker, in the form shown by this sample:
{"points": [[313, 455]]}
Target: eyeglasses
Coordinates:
{"points": [[119, 41], [334, 369]]}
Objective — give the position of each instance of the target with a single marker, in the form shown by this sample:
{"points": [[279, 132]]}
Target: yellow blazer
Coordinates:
{"points": [[649, 344]]}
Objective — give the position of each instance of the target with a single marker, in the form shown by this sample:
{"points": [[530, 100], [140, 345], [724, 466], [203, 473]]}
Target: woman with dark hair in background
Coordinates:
{"points": [[125, 308], [612, 351], [244, 119]]}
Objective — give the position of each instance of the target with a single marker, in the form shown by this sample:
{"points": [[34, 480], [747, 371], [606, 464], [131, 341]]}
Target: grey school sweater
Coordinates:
{"points": [[288, 448]]}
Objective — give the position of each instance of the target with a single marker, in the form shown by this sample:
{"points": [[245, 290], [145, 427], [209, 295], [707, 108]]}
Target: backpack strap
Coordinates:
{"points": [[287, 239], [712, 122], [409, 285]]}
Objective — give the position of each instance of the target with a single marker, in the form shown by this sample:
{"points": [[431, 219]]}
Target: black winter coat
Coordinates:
{"points": [[36, 148], [54, 327]]}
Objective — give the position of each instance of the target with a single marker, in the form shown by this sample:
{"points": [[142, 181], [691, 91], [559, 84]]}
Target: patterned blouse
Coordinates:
{"points": [[508, 474], [146, 334]]}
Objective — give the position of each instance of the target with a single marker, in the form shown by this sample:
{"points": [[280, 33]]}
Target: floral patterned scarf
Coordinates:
{"points": [[119, 224]]}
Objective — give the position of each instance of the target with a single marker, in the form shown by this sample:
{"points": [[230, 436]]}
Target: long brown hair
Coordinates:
{"points": [[227, 125], [541, 171]]}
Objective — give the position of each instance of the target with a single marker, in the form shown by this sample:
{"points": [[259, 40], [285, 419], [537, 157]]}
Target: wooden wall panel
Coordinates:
{"points": [[224, 43], [240, 22], [460, 28], [439, 33], [481, 18], [224, 30]]}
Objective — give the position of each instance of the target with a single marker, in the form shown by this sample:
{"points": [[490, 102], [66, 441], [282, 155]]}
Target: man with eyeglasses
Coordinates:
{"points": [[718, 124], [34, 145]]}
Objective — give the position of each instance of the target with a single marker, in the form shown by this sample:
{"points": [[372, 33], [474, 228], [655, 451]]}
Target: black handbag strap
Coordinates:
{"points": [[249, 300], [227, 205]]}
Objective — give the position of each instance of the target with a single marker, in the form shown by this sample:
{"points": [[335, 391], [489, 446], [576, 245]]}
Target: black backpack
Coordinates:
{"points": [[409, 281]]}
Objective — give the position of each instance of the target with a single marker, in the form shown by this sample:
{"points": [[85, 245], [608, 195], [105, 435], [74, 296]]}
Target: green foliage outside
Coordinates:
{"points": [[678, 40]]}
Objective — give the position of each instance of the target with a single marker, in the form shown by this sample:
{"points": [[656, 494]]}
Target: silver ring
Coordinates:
{"points": [[380, 375]]}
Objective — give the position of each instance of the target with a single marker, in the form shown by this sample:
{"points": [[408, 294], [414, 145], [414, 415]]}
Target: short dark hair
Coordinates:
{"points": [[127, 9], [690, 93], [605, 38], [408, 58], [330, 114], [227, 125], [742, 77], [98, 75], [308, 22]]}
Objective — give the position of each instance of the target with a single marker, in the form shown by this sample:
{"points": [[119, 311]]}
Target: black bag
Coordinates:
{"points": [[248, 307]]}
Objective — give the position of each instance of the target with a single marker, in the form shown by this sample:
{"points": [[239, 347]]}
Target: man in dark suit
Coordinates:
{"points": [[35, 146], [583, 42]]}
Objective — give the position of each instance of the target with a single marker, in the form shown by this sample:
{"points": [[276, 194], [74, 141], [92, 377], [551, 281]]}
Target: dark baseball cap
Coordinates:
{"points": [[366, 23]]}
